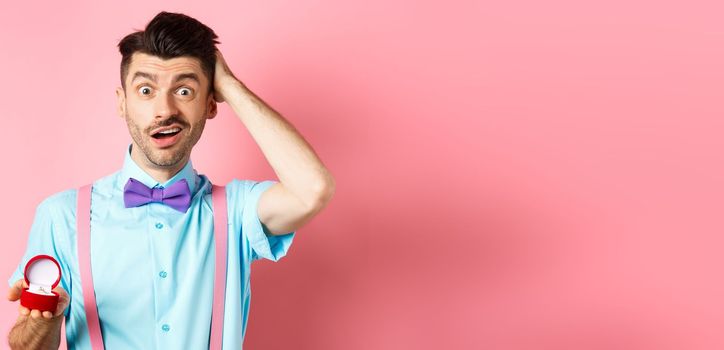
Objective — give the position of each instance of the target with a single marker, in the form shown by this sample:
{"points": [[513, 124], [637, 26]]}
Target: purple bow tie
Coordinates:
{"points": [[177, 196]]}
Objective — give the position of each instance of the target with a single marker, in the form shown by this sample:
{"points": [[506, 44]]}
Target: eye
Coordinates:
{"points": [[144, 90], [185, 91]]}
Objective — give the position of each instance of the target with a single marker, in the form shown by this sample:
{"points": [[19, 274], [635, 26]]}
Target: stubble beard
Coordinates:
{"points": [[166, 157]]}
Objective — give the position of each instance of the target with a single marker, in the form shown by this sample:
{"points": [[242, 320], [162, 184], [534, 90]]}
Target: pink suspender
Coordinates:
{"points": [[218, 198], [82, 218]]}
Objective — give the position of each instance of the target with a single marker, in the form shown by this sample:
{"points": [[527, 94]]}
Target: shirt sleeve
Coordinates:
{"points": [[44, 239], [262, 243]]}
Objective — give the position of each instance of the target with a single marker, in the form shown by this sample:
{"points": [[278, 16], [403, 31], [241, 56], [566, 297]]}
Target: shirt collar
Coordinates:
{"points": [[132, 170]]}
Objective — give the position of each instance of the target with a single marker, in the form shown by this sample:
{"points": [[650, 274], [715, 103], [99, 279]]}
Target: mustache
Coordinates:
{"points": [[168, 122]]}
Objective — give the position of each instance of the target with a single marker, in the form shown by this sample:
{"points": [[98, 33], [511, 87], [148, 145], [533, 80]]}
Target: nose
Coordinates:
{"points": [[165, 107]]}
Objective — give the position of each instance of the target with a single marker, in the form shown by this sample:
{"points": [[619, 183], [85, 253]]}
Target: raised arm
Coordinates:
{"points": [[305, 184]]}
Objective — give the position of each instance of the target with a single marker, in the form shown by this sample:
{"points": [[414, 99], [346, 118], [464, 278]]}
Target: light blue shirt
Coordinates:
{"points": [[153, 266]]}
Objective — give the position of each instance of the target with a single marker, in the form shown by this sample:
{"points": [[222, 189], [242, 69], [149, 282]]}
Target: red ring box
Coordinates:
{"points": [[42, 274]]}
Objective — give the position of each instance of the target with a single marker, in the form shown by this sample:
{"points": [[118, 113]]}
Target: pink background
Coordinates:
{"points": [[510, 174]]}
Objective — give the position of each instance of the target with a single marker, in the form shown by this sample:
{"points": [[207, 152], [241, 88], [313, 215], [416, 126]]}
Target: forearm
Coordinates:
{"points": [[35, 334], [291, 157]]}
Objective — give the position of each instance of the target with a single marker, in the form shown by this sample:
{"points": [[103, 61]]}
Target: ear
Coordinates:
{"points": [[121, 99], [211, 107]]}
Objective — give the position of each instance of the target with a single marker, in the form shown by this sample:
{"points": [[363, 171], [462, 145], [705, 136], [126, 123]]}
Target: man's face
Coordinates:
{"points": [[165, 104]]}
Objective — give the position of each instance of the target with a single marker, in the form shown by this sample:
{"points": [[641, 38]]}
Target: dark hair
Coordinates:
{"points": [[170, 35]]}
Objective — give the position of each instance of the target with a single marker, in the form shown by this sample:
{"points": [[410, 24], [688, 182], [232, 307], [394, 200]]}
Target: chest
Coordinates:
{"points": [[152, 248]]}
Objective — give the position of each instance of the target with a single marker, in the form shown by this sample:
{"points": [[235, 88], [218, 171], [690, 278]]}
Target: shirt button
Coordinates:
{"points": [[159, 225], [165, 328], [163, 274]]}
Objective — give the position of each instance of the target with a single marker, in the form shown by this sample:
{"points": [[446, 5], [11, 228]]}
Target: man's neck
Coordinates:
{"points": [[158, 173]]}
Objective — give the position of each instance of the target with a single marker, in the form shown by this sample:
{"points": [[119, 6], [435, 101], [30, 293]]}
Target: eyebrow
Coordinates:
{"points": [[153, 77]]}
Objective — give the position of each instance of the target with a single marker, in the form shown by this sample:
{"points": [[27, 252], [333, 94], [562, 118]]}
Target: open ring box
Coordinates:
{"points": [[42, 274]]}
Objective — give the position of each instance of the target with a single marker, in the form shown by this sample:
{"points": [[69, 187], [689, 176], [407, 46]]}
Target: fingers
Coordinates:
{"points": [[63, 301], [36, 314], [23, 310], [14, 293], [61, 292], [16, 290]]}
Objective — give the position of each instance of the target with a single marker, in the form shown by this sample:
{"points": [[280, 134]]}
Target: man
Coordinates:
{"points": [[152, 263]]}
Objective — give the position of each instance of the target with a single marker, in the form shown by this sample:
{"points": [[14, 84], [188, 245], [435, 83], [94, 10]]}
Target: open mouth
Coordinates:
{"points": [[166, 133], [167, 137]]}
